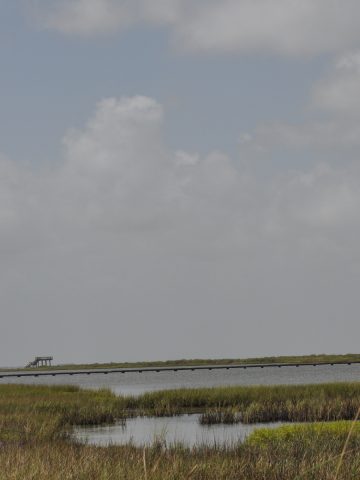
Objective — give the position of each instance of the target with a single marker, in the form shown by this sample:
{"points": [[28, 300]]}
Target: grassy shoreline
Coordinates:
{"points": [[301, 359], [35, 422], [294, 403], [306, 456]]}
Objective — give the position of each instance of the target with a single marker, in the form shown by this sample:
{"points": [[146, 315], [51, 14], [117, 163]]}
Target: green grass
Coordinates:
{"points": [[349, 357], [318, 432]]}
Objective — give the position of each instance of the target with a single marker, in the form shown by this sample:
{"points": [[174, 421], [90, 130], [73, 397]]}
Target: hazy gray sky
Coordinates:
{"points": [[179, 178]]}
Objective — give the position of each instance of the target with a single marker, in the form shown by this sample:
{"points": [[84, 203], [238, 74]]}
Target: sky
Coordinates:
{"points": [[178, 179]]}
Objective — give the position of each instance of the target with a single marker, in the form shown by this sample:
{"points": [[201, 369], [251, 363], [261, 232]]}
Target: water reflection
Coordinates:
{"points": [[184, 429], [137, 383]]}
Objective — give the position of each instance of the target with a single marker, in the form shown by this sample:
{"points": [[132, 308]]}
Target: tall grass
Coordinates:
{"points": [[251, 404], [305, 455], [220, 415], [28, 412]]}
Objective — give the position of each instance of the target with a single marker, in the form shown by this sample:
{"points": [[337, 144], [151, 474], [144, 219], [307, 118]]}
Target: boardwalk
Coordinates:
{"points": [[105, 371]]}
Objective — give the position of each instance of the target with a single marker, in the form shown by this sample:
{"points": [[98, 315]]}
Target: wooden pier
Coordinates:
{"points": [[106, 371], [40, 362]]}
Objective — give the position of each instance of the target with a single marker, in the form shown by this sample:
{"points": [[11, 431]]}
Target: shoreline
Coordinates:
{"points": [[319, 359]]}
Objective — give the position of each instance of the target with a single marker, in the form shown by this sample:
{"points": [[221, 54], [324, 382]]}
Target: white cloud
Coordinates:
{"points": [[118, 174], [85, 16], [290, 27], [91, 17], [323, 199], [331, 136], [120, 164], [332, 129]]}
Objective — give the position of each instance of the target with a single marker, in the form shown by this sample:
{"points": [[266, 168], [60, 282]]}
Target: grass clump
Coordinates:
{"points": [[46, 412], [318, 432], [218, 415]]}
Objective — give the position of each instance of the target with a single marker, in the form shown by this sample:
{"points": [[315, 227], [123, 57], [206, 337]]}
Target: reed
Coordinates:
{"points": [[303, 454], [44, 412], [251, 404], [219, 415]]}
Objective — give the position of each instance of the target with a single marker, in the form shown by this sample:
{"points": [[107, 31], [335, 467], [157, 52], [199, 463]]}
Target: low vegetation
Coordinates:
{"points": [[318, 432]]}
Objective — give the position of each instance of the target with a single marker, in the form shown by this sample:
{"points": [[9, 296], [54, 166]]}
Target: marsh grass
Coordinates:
{"points": [[305, 453], [41, 410], [219, 415], [35, 445], [44, 412], [253, 404]]}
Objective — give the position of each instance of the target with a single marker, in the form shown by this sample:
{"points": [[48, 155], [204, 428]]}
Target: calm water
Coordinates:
{"points": [[136, 383], [184, 429]]}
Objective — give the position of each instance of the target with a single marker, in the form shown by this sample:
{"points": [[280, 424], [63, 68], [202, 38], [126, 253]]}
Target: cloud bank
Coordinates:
{"points": [[131, 236]]}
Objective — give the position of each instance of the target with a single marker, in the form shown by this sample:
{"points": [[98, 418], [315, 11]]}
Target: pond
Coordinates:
{"points": [[184, 429]]}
